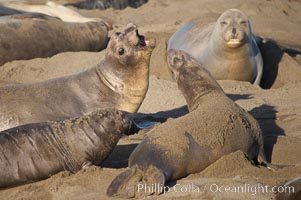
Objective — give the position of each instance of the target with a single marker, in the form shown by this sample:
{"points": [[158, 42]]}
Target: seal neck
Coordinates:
{"points": [[131, 83], [196, 83]]}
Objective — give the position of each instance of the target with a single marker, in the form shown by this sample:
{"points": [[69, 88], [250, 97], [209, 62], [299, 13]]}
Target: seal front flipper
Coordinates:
{"points": [[137, 181]]}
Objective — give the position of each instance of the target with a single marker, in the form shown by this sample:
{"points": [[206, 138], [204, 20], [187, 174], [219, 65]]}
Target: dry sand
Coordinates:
{"points": [[278, 109]]}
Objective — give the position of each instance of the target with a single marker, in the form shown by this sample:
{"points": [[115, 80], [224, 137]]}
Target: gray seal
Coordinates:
{"points": [[120, 81], [36, 151], [227, 48], [215, 126], [31, 35]]}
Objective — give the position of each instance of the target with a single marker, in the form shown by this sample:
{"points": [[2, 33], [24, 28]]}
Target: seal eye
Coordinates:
{"points": [[121, 51], [224, 23], [244, 23]]}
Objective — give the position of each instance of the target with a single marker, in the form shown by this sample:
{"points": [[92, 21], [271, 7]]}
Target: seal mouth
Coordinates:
{"points": [[131, 34], [141, 40], [234, 41], [143, 43]]}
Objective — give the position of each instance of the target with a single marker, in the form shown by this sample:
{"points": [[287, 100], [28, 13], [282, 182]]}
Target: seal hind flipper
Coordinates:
{"points": [[136, 182]]}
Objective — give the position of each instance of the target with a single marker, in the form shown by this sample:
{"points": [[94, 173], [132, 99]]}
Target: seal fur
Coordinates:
{"points": [[119, 81], [31, 35], [215, 126], [36, 151], [227, 48]]}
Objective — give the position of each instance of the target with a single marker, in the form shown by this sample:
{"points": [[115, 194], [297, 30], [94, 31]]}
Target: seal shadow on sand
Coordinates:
{"points": [[266, 117], [272, 53]]}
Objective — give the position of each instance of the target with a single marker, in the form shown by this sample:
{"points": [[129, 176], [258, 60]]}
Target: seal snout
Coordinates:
{"points": [[132, 34], [176, 60]]}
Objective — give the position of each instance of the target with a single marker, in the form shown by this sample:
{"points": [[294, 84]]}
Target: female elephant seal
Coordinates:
{"points": [[36, 151], [31, 35], [226, 48], [120, 81], [215, 126]]}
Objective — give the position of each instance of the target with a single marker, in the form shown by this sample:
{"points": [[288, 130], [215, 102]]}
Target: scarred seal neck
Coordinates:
{"points": [[131, 85]]}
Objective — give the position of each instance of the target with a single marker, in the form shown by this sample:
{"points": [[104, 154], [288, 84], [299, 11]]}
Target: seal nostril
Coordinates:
{"points": [[234, 31]]}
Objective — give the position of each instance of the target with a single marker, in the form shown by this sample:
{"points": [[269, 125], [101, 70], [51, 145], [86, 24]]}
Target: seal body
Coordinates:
{"points": [[227, 48], [36, 151], [215, 126], [50, 8], [105, 4], [120, 81], [30, 35]]}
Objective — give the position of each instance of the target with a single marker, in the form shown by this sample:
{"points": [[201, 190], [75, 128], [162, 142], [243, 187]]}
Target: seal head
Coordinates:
{"points": [[233, 29], [186, 72], [127, 61]]}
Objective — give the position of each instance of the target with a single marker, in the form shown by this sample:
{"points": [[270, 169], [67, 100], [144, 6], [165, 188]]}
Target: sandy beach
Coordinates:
{"points": [[277, 107]]}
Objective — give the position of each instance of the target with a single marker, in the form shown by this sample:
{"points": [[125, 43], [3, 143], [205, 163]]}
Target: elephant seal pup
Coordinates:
{"points": [[226, 48], [120, 81], [215, 126], [36, 151], [32, 35]]}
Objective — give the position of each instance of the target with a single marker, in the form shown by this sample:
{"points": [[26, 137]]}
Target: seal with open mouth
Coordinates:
{"points": [[227, 48], [215, 126], [120, 82], [36, 151]]}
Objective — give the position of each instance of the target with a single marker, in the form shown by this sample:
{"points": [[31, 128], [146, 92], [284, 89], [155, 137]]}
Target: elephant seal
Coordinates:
{"points": [[120, 81], [215, 126], [51, 9], [105, 4], [32, 35], [36, 151], [226, 48]]}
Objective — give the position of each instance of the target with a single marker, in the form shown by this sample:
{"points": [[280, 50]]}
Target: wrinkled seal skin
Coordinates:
{"points": [[120, 81], [227, 48], [32, 35], [215, 126], [36, 151]]}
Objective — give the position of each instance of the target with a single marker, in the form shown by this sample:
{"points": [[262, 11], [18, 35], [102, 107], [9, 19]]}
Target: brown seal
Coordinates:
{"points": [[32, 35], [215, 126], [227, 48], [120, 81], [36, 151]]}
